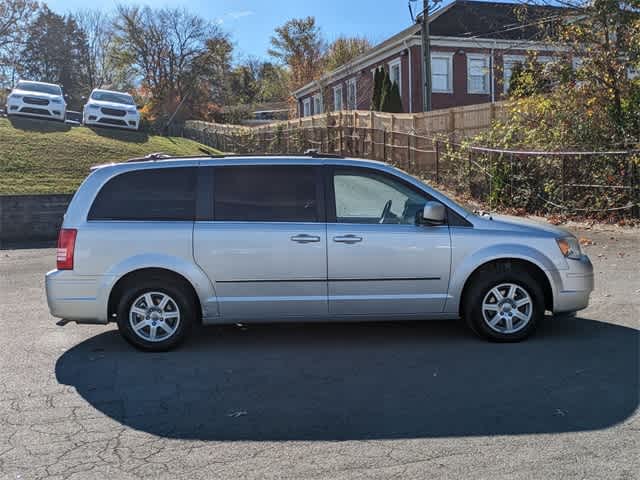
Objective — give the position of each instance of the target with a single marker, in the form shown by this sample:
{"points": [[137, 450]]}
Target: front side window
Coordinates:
{"points": [[369, 197], [478, 73], [274, 193], [159, 194]]}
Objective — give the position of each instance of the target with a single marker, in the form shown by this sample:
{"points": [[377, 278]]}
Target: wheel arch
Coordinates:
{"points": [[181, 269], [143, 273], [538, 274]]}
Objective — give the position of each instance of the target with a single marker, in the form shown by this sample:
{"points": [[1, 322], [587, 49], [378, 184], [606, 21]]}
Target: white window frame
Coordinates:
{"points": [[317, 100], [337, 94], [306, 107], [487, 65], [632, 73], [448, 56], [352, 81], [512, 59], [393, 63]]}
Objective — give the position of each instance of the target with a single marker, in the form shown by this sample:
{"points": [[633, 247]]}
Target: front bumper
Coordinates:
{"points": [[97, 117], [54, 111], [76, 297], [574, 286]]}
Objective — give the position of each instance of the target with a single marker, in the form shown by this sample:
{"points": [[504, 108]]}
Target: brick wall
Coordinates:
{"points": [[31, 217], [459, 97]]}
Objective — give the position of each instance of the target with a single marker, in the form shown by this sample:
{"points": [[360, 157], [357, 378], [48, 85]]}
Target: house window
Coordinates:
{"points": [[576, 63], [478, 73], [509, 64], [317, 104], [352, 94], [306, 107], [395, 73], [337, 98], [632, 73], [442, 72]]}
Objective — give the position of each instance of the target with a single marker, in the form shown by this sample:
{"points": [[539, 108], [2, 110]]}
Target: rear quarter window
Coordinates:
{"points": [[160, 194]]}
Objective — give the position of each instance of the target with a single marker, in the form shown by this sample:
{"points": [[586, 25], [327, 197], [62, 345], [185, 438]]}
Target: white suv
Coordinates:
{"points": [[113, 109], [37, 99]]}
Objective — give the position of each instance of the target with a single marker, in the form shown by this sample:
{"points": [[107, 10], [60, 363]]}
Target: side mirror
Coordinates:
{"points": [[8, 90], [83, 98], [139, 107], [433, 213]]}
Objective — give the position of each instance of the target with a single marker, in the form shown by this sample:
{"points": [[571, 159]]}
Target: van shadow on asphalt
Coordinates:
{"points": [[362, 381]]}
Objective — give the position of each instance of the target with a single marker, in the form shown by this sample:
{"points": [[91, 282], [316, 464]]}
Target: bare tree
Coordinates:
{"points": [[174, 52], [15, 16], [98, 62]]}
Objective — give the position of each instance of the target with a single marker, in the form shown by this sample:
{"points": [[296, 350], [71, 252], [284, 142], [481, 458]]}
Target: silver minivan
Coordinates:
{"points": [[162, 244]]}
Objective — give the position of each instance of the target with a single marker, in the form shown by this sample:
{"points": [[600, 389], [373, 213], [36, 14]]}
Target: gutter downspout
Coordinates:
{"points": [[410, 77]]}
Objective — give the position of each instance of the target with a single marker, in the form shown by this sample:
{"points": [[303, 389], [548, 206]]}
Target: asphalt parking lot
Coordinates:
{"points": [[406, 400]]}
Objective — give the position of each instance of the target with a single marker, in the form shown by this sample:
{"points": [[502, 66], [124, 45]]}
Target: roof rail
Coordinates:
{"points": [[313, 153], [150, 157]]}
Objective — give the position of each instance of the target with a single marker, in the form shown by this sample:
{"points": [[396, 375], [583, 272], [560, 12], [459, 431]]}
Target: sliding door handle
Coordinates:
{"points": [[347, 239], [305, 238]]}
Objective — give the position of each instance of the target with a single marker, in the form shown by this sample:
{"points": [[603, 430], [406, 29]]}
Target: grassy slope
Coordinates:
{"points": [[41, 156]]}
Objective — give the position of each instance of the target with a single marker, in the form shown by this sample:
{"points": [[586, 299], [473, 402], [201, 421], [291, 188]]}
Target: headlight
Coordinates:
{"points": [[92, 106], [56, 100], [132, 110], [570, 247], [13, 96]]}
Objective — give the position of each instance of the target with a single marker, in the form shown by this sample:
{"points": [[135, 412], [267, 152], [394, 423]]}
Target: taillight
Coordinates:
{"points": [[66, 246]]}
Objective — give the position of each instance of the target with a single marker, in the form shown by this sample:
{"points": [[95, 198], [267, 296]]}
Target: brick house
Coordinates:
{"points": [[474, 47]]}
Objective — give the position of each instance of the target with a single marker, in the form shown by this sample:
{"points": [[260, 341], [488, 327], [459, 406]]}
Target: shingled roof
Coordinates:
{"points": [[499, 20]]}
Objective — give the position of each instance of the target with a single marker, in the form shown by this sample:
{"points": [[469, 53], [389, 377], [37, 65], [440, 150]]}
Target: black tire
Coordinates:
{"points": [[482, 284], [178, 292]]}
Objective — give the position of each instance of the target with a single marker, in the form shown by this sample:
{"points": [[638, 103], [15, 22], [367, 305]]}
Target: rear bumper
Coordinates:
{"points": [[75, 297], [575, 286]]}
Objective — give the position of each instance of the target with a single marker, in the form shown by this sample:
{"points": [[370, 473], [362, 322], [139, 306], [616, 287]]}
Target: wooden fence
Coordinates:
{"points": [[457, 123]]}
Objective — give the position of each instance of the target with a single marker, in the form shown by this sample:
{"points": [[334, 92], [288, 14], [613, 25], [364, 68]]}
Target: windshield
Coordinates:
{"points": [[112, 97], [39, 87]]}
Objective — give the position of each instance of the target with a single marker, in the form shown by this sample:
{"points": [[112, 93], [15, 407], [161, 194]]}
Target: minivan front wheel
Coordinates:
{"points": [[504, 304], [155, 316]]}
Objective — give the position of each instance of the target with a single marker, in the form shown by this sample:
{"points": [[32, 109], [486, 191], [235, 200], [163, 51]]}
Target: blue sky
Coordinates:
{"points": [[251, 22]]}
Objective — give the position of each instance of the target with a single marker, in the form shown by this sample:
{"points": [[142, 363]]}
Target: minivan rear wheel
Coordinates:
{"points": [[155, 314], [504, 304]]}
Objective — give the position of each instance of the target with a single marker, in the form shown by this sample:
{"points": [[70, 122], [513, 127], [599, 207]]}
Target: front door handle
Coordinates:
{"points": [[347, 239], [305, 238]]}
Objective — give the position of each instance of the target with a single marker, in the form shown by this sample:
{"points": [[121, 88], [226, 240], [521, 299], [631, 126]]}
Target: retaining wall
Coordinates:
{"points": [[31, 217]]}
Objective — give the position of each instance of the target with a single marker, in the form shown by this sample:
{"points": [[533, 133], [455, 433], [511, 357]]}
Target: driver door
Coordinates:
{"points": [[380, 262]]}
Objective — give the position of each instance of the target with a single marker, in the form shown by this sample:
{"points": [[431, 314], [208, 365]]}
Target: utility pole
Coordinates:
{"points": [[426, 58]]}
